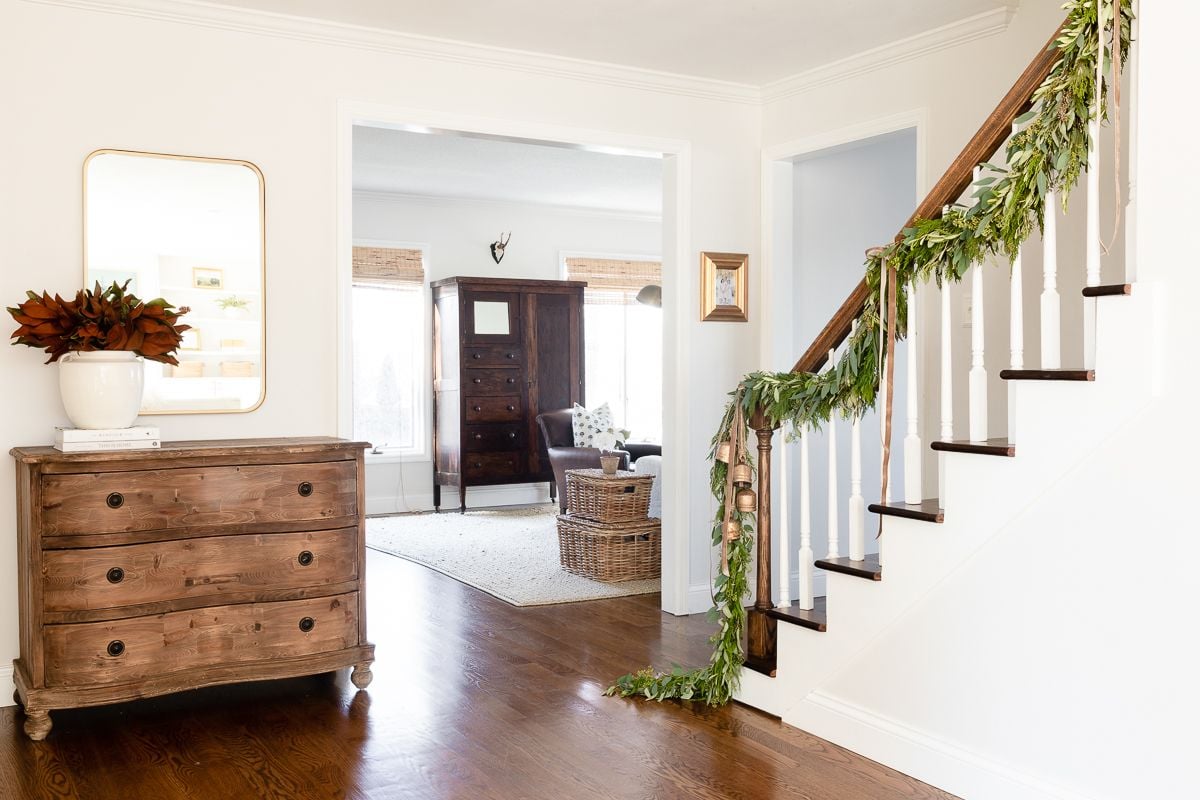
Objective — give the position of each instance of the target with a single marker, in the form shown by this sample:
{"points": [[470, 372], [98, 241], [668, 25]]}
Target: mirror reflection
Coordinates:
{"points": [[491, 318], [189, 230]]}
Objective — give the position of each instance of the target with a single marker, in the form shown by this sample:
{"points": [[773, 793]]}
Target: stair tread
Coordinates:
{"points": [[868, 568], [1108, 290], [813, 619], [1048, 374], [763, 666], [990, 447], [929, 510]]}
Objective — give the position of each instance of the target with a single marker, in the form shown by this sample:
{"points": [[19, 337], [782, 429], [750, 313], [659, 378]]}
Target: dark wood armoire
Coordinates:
{"points": [[504, 351]]}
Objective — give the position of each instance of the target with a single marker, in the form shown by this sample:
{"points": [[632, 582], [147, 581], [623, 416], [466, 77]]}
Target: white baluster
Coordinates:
{"points": [[946, 433], [913, 489], [977, 418], [857, 507], [1016, 340], [805, 592], [1051, 349], [784, 530], [1093, 198], [883, 405], [1131, 113], [832, 504]]}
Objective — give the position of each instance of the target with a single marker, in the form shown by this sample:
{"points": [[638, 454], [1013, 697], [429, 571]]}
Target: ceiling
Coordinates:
{"points": [[466, 167], [744, 41]]}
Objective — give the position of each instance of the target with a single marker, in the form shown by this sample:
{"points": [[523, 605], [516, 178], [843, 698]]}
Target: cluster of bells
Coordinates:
{"points": [[744, 498]]}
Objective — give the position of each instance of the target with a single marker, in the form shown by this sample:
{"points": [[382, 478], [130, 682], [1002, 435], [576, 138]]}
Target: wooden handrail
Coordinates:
{"points": [[986, 141]]}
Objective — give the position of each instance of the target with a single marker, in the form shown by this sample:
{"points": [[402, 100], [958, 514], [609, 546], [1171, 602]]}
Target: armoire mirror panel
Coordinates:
{"points": [[190, 230]]}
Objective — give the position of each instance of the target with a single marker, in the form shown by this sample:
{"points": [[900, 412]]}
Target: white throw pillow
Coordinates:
{"points": [[587, 424]]}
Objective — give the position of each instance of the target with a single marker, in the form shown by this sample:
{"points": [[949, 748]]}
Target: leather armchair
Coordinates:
{"points": [[559, 439]]}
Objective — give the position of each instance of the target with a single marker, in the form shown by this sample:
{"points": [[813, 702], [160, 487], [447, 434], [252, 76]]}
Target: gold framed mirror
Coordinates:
{"points": [[192, 230]]}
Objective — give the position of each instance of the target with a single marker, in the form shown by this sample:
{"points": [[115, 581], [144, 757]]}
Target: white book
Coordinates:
{"points": [[141, 432], [95, 447]]}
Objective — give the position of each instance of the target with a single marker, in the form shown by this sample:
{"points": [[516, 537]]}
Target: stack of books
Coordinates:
{"points": [[77, 440]]}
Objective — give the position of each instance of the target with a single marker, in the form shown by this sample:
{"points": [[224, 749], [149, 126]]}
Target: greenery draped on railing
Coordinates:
{"points": [[1008, 201]]}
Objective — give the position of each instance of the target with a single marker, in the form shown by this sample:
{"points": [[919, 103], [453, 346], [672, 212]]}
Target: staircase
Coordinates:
{"points": [[816, 661]]}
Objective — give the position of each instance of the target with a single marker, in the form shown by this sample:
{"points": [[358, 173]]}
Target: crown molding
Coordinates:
{"points": [[328, 32], [449, 200], [980, 26], [340, 34]]}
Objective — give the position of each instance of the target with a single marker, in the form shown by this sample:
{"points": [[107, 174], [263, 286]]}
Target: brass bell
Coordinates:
{"points": [[722, 453], [732, 530], [746, 500], [742, 474]]}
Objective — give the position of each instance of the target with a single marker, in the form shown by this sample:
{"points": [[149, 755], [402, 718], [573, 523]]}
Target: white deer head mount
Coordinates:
{"points": [[499, 245]]}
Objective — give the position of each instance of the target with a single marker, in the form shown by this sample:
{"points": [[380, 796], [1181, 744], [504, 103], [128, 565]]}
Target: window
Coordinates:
{"points": [[388, 326], [623, 341]]}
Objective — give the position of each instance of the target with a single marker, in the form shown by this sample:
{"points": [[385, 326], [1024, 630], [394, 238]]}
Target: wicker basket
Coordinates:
{"points": [[606, 552], [624, 497]]}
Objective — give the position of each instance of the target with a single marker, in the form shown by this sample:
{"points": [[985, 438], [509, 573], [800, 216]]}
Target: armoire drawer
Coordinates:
{"points": [[492, 381], [488, 466], [142, 500], [480, 438], [213, 566], [125, 650], [501, 408], [492, 355]]}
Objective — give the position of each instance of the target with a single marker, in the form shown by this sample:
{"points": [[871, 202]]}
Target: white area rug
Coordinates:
{"points": [[511, 554]]}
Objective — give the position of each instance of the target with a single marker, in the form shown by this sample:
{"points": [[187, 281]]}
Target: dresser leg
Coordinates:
{"points": [[37, 724], [361, 675], [437, 495], [17, 698]]}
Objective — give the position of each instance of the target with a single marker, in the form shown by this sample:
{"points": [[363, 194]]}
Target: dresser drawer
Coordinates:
{"points": [[128, 650], [214, 566], [502, 408], [498, 355], [115, 502], [477, 438], [486, 466], [492, 381]]}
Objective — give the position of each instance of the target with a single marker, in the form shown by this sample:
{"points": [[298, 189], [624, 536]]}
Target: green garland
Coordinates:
{"points": [[1048, 154]]}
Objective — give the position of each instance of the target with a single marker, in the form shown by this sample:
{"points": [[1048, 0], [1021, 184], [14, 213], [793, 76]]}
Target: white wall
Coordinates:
{"points": [[92, 79], [842, 198], [458, 233]]}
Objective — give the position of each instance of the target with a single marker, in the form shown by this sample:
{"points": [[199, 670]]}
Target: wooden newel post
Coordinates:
{"points": [[760, 645]]}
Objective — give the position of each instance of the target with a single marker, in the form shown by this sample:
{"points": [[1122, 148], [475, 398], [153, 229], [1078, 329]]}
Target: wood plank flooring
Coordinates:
{"points": [[472, 698]]}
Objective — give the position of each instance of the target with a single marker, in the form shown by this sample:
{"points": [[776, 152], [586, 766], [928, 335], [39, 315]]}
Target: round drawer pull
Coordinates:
{"points": [[305, 558], [510, 356], [305, 489], [115, 575], [479, 437], [477, 380], [511, 408], [512, 435], [478, 408], [115, 648], [477, 464], [115, 500], [307, 624], [510, 380], [476, 356]]}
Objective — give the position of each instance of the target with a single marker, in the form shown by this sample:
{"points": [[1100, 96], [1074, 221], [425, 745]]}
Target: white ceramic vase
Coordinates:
{"points": [[101, 389]]}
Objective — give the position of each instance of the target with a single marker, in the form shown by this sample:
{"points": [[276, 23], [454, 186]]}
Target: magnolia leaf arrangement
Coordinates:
{"points": [[1047, 155], [99, 319]]}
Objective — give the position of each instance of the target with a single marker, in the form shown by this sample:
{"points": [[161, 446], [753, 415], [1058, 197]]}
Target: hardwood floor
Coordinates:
{"points": [[472, 698]]}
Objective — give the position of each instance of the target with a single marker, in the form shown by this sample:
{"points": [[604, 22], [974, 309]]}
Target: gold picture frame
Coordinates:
{"points": [[724, 287]]}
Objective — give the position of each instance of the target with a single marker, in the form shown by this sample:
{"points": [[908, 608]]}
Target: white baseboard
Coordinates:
{"points": [[948, 766], [6, 686], [477, 497]]}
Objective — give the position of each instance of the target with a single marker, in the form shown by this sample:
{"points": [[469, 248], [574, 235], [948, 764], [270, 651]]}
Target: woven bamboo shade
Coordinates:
{"points": [[613, 281], [388, 266]]}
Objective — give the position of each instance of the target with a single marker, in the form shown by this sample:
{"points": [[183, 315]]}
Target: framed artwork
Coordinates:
{"points": [[723, 287], [207, 278], [190, 340]]}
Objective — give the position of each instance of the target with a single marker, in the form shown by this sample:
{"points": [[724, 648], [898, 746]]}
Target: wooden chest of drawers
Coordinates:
{"points": [[147, 572]]}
